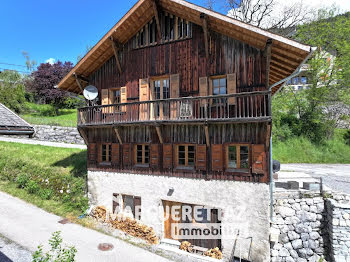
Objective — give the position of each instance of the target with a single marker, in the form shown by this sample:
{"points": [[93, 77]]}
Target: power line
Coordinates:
{"points": [[12, 64]]}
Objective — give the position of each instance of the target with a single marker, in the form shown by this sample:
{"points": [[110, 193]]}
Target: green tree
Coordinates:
{"points": [[315, 112], [57, 253], [12, 92]]}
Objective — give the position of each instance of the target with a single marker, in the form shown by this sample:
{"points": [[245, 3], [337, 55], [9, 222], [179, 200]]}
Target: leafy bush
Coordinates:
{"points": [[45, 194], [57, 253], [32, 187], [73, 103], [347, 137], [22, 180]]}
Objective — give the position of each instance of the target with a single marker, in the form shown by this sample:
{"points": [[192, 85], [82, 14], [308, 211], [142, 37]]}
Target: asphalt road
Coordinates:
{"points": [[30, 226], [334, 176]]}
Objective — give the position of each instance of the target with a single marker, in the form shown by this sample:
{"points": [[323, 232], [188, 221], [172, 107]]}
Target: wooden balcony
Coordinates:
{"points": [[241, 107]]}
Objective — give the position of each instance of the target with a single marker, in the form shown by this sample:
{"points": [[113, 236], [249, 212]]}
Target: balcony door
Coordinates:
{"points": [[160, 89]]}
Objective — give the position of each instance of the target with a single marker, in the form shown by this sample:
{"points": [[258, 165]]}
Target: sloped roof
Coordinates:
{"points": [[286, 54], [11, 122]]}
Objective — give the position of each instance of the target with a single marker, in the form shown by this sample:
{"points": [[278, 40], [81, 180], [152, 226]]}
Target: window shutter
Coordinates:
{"points": [[201, 157], [167, 156], [115, 155], [99, 153], [216, 158], [105, 96], [127, 155], [144, 93], [123, 98], [92, 157], [203, 89], [174, 93], [231, 88], [137, 202], [259, 159], [154, 155]]}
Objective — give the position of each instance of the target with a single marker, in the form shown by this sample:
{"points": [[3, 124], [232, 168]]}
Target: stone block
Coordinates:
{"points": [[294, 185], [312, 186]]}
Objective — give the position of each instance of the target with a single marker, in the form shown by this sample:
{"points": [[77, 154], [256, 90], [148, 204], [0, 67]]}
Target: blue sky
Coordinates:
{"points": [[58, 29]]}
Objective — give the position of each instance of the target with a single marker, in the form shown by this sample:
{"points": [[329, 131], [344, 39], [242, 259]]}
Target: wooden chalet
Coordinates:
{"points": [[184, 92]]}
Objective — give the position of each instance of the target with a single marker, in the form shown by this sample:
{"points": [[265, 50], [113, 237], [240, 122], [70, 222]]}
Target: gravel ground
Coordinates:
{"points": [[10, 251], [37, 142], [334, 176]]}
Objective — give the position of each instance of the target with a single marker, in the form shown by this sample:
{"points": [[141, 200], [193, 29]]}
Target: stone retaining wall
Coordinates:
{"points": [[310, 227], [58, 134], [339, 227], [299, 222]]}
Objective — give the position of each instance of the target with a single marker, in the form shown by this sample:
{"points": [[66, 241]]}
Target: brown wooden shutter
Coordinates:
{"points": [[259, 159], [167, 156], [231, 87], [174, 93], [154, 155], [92, 156], [104, 97], [99, 153], [123, 98], [201, 157], [203, 86], [210, 91], [115, 155], [137, 202], [216, 158], [144, 93], [127, 156]]}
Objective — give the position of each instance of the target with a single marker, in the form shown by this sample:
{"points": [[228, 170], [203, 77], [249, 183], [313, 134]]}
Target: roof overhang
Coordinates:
{"points": [[286, 54]]}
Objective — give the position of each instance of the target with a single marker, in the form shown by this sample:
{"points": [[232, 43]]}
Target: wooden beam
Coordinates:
{"points": [[159, 133], [83, 135], [78, 82], [206, 129], [268, 61], [116, 50], [204, 19], [156, 15], [268, 134], [118, 135]]}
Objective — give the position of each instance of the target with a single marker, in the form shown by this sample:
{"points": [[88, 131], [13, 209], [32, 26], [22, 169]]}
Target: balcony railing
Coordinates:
{"points": [[241, 107]]}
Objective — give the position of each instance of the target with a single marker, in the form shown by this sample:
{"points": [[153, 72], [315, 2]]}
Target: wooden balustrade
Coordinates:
{"points": [[241, 107]]}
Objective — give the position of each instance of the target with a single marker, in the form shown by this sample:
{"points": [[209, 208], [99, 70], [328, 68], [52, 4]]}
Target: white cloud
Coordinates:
{"points": [[51, 61], [344, 5]]}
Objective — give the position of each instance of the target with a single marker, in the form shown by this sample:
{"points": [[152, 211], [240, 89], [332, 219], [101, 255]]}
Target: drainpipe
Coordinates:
{"points": [[283, 82]]}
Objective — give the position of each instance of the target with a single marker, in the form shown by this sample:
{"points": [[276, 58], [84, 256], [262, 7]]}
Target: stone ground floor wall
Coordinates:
{"points": [[245, 206]]}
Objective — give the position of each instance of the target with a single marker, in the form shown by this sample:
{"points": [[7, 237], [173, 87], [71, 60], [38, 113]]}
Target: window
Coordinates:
{"points": [[141, 154], [106, 153], [161, 90], [185, 155], [295, 80], [303, 80], [129, 204], [219, 88], [237, 157]]}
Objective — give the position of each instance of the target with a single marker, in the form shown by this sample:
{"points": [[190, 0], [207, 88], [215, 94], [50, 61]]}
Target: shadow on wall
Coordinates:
{"points": [[75, 161]]}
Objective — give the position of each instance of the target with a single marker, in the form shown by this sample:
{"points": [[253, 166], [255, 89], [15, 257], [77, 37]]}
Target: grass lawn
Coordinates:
{"points": [[301, 150], [48, 177], [45, 115]]}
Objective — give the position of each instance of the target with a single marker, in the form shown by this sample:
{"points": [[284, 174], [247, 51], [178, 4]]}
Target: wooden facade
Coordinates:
{"points": [[214, 122]]}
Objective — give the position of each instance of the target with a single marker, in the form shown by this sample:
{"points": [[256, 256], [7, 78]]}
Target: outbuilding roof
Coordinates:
{"points": [[286, 54], [11, 123]]}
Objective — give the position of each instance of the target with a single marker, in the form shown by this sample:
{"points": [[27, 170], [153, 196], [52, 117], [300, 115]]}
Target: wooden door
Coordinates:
{"points": [[168, 220]]}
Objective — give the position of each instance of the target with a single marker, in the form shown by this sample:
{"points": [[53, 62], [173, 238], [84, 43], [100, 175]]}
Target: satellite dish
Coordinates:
{"points": [[90, 92]]}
